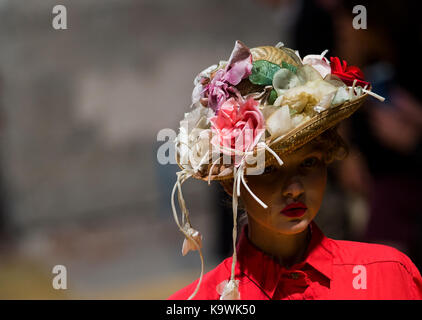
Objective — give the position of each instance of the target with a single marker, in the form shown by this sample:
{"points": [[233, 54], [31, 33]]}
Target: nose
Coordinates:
{"points": [[293, 189]]}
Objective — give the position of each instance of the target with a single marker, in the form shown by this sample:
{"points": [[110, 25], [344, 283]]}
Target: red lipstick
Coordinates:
{"points": [[294, 210]]}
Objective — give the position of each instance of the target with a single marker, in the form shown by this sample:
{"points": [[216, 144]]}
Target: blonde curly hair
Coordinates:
{"points": [[333, 145], [330, 142]]}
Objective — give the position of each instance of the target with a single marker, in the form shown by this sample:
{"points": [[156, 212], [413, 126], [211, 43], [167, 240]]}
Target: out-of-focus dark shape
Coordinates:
{"points": [[387, 135], [4, 221], [381, 177]]}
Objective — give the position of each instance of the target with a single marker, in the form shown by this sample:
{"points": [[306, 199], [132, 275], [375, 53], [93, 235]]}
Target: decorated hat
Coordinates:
{"points": [[250, 111]]}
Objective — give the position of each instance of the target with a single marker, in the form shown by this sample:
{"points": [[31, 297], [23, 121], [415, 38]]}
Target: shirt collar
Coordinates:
{"points": [[264, 270]]}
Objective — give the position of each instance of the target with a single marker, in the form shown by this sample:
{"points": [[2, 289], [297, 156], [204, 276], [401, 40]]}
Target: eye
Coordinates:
{"points": [[269, 170], [309, 162]]}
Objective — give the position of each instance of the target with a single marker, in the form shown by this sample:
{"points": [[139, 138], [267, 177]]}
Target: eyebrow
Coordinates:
{"points": [[317, 147], [314, 147]]}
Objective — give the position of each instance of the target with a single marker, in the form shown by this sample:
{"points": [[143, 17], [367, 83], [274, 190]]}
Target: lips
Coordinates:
{"points": [[293, 210]]}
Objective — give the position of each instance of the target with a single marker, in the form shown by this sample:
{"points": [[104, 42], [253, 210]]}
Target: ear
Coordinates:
{"points": [[227, 184]]}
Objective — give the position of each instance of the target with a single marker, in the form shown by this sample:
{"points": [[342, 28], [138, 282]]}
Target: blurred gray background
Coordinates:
{"points": [[80, 112]]}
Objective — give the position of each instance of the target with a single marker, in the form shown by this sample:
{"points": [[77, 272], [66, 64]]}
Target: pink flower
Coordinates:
{"points": [[237, 127], [221, 86], [217, 91], [239, 65]]}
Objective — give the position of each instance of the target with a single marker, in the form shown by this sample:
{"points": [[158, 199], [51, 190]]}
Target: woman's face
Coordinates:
{"points": [[302, 178]]}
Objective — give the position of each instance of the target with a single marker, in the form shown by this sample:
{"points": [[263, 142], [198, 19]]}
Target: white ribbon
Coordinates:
{"points": [[230, 290], [354, 94], [182, 176]]}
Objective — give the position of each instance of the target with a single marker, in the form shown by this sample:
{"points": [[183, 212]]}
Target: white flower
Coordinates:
{"points": [[304, 98], [298, 119], [319, 63], [192, 139], [196, 93], [325, 102], [200, 148], [279, 122]]}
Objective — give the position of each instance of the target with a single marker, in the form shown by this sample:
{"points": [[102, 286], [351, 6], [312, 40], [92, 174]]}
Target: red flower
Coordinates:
{"points": [[347, 73]]}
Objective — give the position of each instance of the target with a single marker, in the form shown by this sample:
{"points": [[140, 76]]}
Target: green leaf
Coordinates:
{"points": [[272, 97], [289, 66], [263, 72]]}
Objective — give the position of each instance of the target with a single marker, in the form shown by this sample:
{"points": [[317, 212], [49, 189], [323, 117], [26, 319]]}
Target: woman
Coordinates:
{"points": [[281, 253]]}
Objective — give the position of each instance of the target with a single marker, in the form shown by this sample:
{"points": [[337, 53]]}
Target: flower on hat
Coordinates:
{"points": [[305, 97], [347, 73], [217, 91], [200, 149], [222, 85], [319, 63], [237, 126], [193, 140]]}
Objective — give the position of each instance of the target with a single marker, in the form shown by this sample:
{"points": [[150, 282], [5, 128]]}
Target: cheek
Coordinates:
{"points": [[263, 190], [263, 187], [314, 184], [267, 188]]}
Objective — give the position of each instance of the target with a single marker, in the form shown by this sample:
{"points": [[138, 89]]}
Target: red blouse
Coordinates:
{"points": [[332, 269]]}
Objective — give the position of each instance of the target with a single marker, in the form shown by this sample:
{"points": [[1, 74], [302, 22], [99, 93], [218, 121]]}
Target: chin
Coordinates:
{"points": [[293, 225]]}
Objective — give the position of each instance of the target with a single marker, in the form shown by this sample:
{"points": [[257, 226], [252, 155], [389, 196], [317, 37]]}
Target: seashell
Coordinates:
{"points": [[292, 55], [275, 55]]}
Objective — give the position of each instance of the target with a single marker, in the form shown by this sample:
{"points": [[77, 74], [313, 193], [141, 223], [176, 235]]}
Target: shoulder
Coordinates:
{"points": [[353, 252], [207, 289], [391, 265]]}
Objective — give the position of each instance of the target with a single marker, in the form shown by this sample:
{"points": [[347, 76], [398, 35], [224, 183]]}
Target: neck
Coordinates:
{"points": [[288, 249]]}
